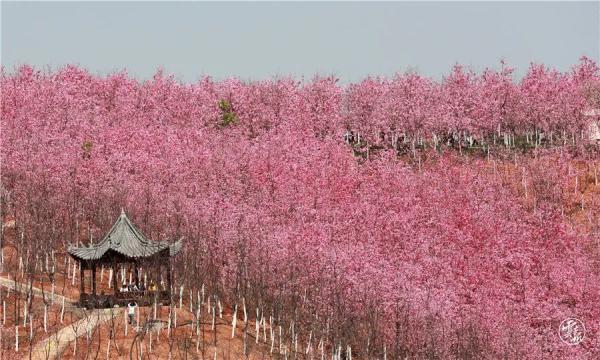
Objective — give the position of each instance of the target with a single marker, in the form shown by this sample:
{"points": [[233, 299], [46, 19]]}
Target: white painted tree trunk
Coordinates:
{"points": [[280, 340], [296, 343], [25, 315], [169, 324], [180, 296], [322, 349], [234, 322], [62, 310], [198, 324], [257, 326], [74, 274], [108, 349], [245, 312], [212, 327], [272, 339]]}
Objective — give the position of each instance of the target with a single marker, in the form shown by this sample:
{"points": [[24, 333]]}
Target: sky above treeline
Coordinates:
{"points": [[351, 40]]}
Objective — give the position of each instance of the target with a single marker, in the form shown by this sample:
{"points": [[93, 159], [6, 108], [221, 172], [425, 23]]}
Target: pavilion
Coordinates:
{"points": [[125, 245]]}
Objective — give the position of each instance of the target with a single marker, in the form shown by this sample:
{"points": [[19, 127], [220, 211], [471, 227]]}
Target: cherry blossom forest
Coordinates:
{"points": [[400, 218]]}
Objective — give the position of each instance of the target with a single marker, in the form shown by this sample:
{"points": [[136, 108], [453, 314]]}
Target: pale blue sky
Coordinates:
{"points": [[262, 40]]}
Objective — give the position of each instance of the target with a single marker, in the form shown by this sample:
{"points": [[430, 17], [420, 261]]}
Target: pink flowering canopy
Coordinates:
{"points": [[270, 194]]}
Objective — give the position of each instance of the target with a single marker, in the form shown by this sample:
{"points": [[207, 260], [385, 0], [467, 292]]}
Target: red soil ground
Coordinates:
{"points": [[185, 342]]}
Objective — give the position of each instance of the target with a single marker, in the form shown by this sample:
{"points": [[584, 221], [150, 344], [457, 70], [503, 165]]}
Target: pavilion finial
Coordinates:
{"points": [[122, 212]]}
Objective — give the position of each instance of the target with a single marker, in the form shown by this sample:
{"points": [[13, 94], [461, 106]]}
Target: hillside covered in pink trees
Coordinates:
{"points": [[401, 216]]}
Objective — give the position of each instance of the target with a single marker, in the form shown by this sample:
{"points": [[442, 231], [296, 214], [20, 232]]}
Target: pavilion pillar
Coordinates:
{"points": [[81, 277], [94, 279], [136, 274], [114, 278], [169, 277]]}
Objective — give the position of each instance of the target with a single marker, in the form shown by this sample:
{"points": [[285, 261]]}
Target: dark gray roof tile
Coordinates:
{"points": [[125, 239]]}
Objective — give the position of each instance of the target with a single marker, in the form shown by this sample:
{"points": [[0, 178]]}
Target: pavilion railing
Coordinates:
{"points": [[142, 298]]}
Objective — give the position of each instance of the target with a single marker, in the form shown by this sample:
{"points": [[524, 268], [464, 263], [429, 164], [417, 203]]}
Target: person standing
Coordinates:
{"points": [[131, 311]]}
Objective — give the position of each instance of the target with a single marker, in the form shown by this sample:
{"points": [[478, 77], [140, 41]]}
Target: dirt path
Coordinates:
{"points": [[52, 347], [22, 287]]}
